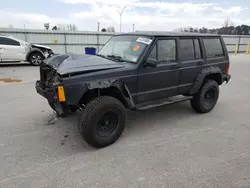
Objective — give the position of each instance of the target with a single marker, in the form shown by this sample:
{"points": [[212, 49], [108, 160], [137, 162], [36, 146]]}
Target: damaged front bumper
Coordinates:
{"points": [[51, 94]]}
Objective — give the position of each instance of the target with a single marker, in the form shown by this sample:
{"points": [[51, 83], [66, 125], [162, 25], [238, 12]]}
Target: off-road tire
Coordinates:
{"points": [[93, 111], [30, 58], [199, 102]]}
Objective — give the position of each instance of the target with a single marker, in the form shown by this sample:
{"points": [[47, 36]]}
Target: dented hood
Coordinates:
{"points": [[73, 63]]}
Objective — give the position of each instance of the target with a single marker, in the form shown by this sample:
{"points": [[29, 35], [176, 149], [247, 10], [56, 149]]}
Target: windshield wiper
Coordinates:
{"points": [[100, 55], [118, 58]]}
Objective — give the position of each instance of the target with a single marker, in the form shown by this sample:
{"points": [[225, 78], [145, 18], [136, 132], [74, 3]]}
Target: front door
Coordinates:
{"points": [[160, 81], [11, 50]]}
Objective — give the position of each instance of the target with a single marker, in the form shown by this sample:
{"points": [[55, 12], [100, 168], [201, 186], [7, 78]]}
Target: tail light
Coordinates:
{"points": [[228, 67]]}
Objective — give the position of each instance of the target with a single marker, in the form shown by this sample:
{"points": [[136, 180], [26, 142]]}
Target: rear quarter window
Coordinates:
{"points": [[213, 47]]}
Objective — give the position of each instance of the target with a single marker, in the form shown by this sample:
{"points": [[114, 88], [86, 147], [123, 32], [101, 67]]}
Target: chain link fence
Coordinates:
{"points": [[77, 41]]}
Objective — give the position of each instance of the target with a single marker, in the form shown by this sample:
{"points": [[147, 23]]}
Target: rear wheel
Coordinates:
{"points": [[36, 58], [102, 121], [206, 99]]}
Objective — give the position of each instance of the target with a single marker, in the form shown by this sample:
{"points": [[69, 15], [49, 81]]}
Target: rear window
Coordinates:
{"points": [[213, 47]]}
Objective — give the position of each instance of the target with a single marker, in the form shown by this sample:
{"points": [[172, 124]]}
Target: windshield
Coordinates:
{"points": [[125, 48]]}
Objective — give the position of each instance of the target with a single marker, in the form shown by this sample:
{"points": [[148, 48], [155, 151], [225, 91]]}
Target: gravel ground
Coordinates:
{"points": [[170, 146]]}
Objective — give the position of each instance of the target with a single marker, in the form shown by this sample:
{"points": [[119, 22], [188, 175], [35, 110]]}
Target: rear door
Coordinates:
{"points": [[11, 50], [192, 62]]}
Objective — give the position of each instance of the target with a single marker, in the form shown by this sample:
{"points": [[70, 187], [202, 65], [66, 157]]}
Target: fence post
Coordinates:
{"points": [[236, 48], [25, 35], [65, 42], [248, 49], [98, 41], [239, 41]]}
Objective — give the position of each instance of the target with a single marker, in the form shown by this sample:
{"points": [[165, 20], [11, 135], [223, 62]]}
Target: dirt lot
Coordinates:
{"points": [[170, 146]]}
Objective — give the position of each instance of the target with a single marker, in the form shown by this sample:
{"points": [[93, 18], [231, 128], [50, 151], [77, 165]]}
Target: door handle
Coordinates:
{"points": [[200, 63], [175, 66]]}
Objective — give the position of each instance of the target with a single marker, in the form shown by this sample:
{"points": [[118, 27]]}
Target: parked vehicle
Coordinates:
{"points": [[134, 71], [16, 50]]}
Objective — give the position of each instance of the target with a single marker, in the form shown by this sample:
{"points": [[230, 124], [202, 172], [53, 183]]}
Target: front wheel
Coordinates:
{"points": [[206, 99], [35, 58], [102, 121]]}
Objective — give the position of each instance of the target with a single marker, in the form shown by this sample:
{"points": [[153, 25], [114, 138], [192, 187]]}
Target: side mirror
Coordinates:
{"points": [[151, 63]]}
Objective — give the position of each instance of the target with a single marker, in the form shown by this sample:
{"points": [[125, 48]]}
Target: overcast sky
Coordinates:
{"points": [[145, 14]]}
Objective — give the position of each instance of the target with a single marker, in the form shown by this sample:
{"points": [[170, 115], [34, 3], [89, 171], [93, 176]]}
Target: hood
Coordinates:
{"points": [[75, 63], [41, 46]]}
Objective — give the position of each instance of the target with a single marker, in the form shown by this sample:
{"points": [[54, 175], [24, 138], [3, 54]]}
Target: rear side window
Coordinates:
{"points": [[213, 47], [190, 49], [7, 41], [186, 49]]}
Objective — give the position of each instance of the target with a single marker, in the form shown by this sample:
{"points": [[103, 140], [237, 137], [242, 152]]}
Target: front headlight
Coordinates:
{"points": [[53, 78], [56, 80]]}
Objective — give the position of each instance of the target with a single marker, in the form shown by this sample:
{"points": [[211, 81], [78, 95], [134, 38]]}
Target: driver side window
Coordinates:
{"points": [[164, 51]]}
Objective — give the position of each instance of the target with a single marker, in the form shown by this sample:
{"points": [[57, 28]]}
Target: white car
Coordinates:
{"points": [[16, 50]]}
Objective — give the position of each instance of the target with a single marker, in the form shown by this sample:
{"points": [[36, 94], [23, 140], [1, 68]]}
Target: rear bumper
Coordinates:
{"points": [[51, 95], [226, 78]]}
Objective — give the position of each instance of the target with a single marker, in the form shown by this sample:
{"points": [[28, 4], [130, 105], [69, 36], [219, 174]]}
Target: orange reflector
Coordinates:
{"points": [[228, 67], [61, 94]]}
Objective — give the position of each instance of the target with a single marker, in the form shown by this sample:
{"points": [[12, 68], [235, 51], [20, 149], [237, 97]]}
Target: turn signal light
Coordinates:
{"points": [[61, 94]]}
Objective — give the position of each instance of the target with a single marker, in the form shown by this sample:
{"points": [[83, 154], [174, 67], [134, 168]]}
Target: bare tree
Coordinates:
{"points": [[110, 29], [64, 27], [226, 22], [71, 27], [228, 27], [61, 27]]}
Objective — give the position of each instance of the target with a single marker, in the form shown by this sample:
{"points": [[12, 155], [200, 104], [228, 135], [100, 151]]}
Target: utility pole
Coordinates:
{"points": [[25, 34], [120, 13], [133, 27], [98, 27]]}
